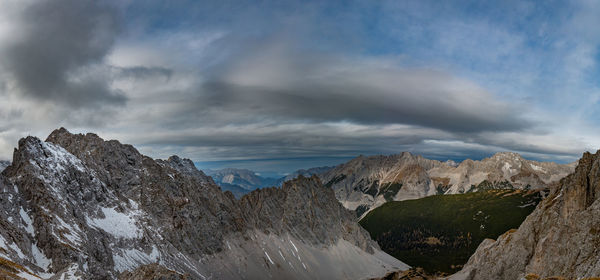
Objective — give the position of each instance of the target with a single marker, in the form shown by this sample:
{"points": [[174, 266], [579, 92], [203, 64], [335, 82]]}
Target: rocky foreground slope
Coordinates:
{"points": [[560, 238], [364, 183], [76, 206]]}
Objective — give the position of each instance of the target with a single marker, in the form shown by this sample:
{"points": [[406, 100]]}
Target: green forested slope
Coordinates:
{"points": [[439, 233]]}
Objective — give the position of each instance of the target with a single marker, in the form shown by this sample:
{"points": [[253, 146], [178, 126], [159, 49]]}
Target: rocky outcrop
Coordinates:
{"points": [[560, 238], [78, 206], [364, 183]]}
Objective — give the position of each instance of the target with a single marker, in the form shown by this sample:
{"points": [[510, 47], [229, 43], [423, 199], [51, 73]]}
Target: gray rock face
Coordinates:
{"points": [[78, 206], [284, 211], [560, 237], [368, 182]]}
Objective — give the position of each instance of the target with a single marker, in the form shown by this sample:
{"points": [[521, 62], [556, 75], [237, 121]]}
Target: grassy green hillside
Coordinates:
{"points": [[439, 233]]}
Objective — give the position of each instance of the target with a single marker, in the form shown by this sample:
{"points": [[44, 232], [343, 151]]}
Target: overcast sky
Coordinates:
{"points": [[279, 85]]}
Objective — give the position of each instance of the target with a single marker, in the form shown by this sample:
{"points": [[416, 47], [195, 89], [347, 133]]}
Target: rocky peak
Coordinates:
{"points": [[91, 146], [183, 164], [451, 163], [28, 147], [187, 166], [507, 156], [77, 144]]}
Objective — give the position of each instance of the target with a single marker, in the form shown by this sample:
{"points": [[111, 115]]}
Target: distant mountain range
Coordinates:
{"points": [[365, 183], [243, 181], [243, 178]]}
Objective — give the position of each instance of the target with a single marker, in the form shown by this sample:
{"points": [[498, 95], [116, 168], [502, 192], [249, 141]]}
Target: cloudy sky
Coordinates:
{"points": [[279, 85]]}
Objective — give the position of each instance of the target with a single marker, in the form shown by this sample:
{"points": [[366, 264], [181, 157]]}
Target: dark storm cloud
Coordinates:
{"points": [[330, 102], [299, 136], [141, 72], [285, 141], [56, 49], [281, 83]]}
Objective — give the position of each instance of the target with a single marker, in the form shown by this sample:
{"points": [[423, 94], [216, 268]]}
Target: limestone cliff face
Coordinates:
{"points": [[560, 238], [78, 206]]}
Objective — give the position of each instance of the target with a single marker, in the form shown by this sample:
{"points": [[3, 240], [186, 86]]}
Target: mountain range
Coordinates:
{"points": [[244, 178], [239, 181], [365, 183], [78, 207], [243, 181]]}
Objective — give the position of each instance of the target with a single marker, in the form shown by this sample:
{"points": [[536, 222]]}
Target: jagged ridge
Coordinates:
{"points": [[364, 183], [79, 205]]}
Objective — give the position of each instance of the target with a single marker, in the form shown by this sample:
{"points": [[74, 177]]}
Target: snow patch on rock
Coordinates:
{"points": [[27, 220], [130, 259], [72, 233], [117, 224], [39, 258]]}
